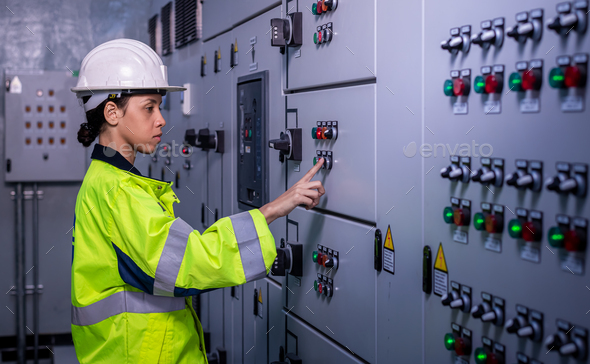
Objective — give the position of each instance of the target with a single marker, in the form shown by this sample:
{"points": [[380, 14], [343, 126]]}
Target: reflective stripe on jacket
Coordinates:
{"points": [[135, 266]]}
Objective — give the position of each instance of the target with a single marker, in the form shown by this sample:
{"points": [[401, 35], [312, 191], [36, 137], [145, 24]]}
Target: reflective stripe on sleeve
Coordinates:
{"points": [[171, 258], [124, 301], [249, 246]]}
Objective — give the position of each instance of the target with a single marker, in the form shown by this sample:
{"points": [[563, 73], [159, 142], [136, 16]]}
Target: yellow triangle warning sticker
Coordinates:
{"points": [[260, 295], [440, 263], [388, 241]]}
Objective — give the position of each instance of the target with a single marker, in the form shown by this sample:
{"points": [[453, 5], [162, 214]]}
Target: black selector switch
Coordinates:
{"points": [[289, 260], [288, 144], [287, 31]]}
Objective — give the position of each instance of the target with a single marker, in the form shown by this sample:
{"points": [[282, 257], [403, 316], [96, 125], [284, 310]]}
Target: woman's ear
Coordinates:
{"points": [[111, 113]]}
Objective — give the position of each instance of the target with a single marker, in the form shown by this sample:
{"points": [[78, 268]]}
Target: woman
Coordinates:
{"points": [[135, 265]]}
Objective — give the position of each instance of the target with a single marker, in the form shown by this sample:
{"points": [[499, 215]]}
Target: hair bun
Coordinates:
{"points": [[86, 134]]}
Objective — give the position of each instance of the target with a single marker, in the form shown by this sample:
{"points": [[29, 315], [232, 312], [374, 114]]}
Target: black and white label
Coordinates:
{"points": [[573, 263], [530, 105], [460, 108], [572, 103], [441, 282], [389, 260], [493, 244], [492, 107], [530, 252], [460, 236]]}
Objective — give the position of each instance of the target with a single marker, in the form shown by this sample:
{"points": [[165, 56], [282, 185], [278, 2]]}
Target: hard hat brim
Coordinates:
{"points": [[109, 88]]}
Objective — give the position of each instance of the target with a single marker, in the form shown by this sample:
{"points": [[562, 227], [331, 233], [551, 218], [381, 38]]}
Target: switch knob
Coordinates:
{"points": [[289, 145], [462, 303], [512, 178], [331, 133], [495, 316], [487, 176], [553, 183], [456, 173], [576, 185], [331, 262], [479, 310], [556, 341], [576, 348], [515, 324], [564, 23], [449, 297], [484, 38], [328, 291], [454, 43], [532, 331]]}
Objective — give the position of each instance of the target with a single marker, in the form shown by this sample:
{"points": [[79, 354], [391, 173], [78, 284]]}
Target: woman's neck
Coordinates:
{"points": [[119, 145]]}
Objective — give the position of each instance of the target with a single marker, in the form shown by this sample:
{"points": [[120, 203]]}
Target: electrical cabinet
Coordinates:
{"points": [[42, 122]]}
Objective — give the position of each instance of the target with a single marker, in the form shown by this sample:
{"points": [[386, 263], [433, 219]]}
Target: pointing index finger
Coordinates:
{"points": [[309, 175]]}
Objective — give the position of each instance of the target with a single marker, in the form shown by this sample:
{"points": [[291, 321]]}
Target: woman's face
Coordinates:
{"points": [[141, 126]]}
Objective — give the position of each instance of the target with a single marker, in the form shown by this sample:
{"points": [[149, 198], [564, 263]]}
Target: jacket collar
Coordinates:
{"points": [[111, 156]]}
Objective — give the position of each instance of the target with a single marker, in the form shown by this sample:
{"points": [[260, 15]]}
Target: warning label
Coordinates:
{"points": [[441, 273], [389, 253]]}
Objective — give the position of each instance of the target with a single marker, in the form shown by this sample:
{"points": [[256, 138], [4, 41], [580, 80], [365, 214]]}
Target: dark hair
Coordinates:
{"points": [[95, 120]]}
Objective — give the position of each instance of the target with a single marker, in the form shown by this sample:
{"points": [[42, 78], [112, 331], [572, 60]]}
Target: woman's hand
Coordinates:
{"points": [[303, 192]]}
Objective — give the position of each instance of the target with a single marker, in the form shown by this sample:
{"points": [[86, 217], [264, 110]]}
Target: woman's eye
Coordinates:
{"points": [[149, 108]]}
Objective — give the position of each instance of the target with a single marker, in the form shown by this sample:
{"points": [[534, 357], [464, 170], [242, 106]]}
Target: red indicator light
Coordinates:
{"points": [[574, 77], [531, 231], [574, 242], [459, 87], [531, 80], [493, 84]]}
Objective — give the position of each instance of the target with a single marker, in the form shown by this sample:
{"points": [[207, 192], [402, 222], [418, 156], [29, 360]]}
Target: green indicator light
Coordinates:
{"points": [[313, 133], [250, 133], [450, 341], [556, 237], [315, 285], [315, 160], [479, 85], [314, 9], [448, 87], [515, 228], [448, 215], [314, 256], [556, 77], [480, 356], [479, 221], [515, 82], [315, 38]]}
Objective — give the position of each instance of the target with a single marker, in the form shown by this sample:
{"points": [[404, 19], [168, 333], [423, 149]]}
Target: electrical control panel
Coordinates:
{"points": [[42, 122], [251, 149]]}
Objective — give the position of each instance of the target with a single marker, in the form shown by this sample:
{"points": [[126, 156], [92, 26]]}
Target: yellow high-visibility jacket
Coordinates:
{"points": [[135, 266]]}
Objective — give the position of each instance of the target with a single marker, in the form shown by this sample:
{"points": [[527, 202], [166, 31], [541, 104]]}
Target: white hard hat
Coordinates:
{"points": [[121, 66]]}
